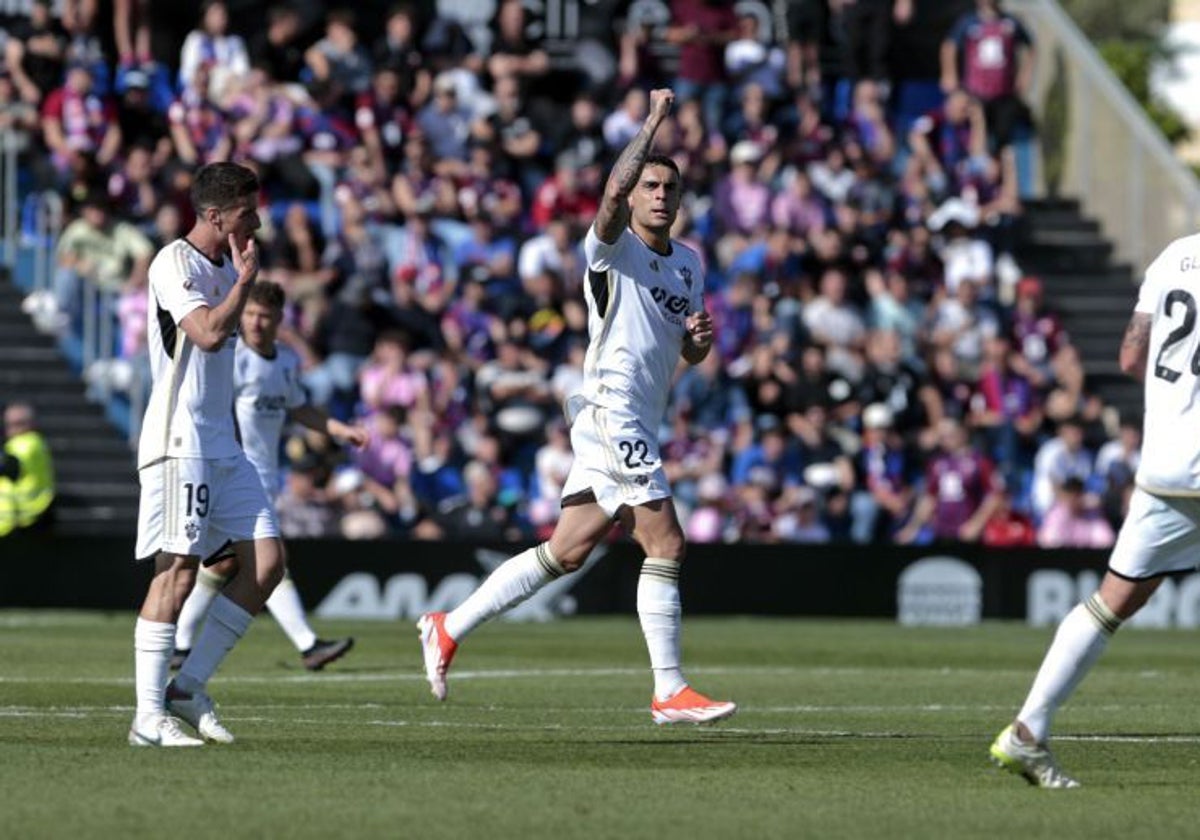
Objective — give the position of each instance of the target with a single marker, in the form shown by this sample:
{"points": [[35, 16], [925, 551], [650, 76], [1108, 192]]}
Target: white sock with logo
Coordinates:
{"points": [[207, 586], [227, 622], [1078, 643], [661, 613], [153, 642], [286, 608], [511, 583]]}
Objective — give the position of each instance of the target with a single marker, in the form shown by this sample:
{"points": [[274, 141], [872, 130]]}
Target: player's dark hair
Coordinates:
{"points": [[663, 160], [268, 293], [221, 185]]}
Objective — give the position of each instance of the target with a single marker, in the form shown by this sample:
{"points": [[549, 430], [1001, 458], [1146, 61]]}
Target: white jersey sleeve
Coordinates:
{"points": [[601, 255]]}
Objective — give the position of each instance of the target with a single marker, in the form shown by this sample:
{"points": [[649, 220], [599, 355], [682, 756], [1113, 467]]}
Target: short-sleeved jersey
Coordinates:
{"points": [[264, 390], [637, 303], [190, 412], [1170, 294]]}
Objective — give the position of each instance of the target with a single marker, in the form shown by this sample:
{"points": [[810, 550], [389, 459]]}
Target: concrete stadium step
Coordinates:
{"points": [[87, 447], [85, 516], [1051, 203], [1081, 282], [1040, 260], [46, 400], [49, 376], [1101, 303], [92, 472], [25, 355], [112, 492]]}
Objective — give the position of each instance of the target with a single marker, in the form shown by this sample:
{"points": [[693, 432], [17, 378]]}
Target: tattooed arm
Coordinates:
{"points": [[1135, 346], [613, 215]]}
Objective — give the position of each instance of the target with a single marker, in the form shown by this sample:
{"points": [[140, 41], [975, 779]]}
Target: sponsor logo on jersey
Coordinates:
{"points": [[673, 305]]}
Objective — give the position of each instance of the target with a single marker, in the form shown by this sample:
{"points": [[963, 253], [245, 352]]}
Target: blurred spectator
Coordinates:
{"points": [[396, 51], [833, 321], [552, 464], [1116, 466], [35, 53], [513, 130], [568, 194], [389, 380], [1008, 527], [77, 124], [478, 516], [989, 54], [1005, 406], [383, 117], [338, 58], [96, 250], [960, 492], [771, 462], [513, 53], [27, 487], [1059, 458], [277, 47], [343, 340], [141, 123], [1038, 333], [303, 508], [798, 517], [212, 45], [709, 521], [750, 59], [962, 325], [445, 122], [1073, 522], [886, 494], [199, 128], [702, 29], [866, 30]]}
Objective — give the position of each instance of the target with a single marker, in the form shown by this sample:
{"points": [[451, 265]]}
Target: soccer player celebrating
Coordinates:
{"points": [[198, 489], [267, 390], [1162, 529], [644, 294]]}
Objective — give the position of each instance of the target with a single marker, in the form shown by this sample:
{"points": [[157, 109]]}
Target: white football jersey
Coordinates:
{"points": [[190, 411], [637, 302], [1170, 293], [264, 391]]}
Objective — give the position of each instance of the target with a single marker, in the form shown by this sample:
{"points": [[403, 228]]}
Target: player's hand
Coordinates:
{"points": [[661, 101], [245, 260], [699, 328]]}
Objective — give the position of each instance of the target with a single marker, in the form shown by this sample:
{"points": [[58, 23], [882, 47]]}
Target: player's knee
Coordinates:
{"points": [[572, 559], [269, 564], [668, 547]]}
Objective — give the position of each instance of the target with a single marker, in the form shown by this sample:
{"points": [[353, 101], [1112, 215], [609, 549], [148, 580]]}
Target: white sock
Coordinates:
{"points": [[227, 622], [206, 588], [285, 606], [510, 584], [660, 613], [152, 645], [1081, 638]]}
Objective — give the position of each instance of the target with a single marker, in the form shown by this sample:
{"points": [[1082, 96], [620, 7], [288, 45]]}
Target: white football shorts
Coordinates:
{"points": [[616, 458], [1160, 535], [196, 505]]}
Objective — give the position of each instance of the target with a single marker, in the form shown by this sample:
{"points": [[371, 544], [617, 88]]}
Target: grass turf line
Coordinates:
{"points": [[846, 729]]}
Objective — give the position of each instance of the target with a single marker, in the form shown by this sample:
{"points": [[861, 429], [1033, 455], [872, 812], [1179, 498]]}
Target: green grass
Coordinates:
{"points": [[846, 729]]}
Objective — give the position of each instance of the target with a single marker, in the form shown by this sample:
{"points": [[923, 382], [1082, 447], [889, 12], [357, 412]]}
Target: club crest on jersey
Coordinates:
{"points": [[685, 274], [191, 529], [654, 265]]}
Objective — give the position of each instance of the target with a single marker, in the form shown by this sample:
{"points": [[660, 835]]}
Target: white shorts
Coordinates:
{"points": [[196, 505], [616, 458], [1160, 535]]}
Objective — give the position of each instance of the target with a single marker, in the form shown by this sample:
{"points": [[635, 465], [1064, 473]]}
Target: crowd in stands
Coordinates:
{"points": [[883, 372]]}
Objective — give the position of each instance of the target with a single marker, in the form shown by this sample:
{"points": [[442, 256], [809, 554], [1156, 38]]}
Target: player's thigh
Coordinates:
{"points": [[655, 526], [174, 509], [1160, 535]]}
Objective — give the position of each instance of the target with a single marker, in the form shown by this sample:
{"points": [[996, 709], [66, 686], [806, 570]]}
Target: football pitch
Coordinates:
{"points": [[846, 729]]}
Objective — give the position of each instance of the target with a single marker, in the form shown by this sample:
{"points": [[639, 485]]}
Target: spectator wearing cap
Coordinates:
{"points": [[797, 517], [142, 122], [741, 203], [1037, 332], [445, 122], [78, 124], [1073, 521], [211, 44], [966, 256], [1006, 408], [884, 495]]}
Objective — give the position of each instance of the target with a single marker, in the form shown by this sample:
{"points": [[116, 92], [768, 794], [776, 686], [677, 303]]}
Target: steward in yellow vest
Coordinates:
{"points": [[26, 471]]}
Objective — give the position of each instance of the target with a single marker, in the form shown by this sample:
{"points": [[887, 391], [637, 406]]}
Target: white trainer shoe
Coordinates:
{"points": [[197, 709], [437, 649], [168, 733], [1032, 761]]}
